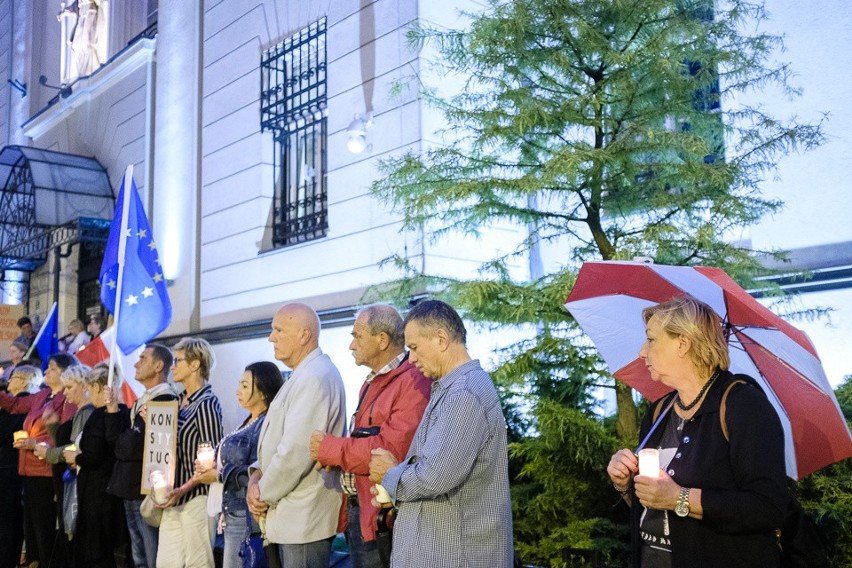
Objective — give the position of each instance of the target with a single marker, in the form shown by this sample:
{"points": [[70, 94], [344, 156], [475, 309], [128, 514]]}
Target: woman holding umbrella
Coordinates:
{"points": [[719, 497]]}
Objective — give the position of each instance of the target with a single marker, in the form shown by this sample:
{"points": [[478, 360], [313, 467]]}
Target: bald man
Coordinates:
{"points": [[299, 502]]}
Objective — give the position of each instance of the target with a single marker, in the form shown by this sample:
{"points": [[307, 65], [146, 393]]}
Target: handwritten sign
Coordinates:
{"points": [[9, 327], [160, 443]]}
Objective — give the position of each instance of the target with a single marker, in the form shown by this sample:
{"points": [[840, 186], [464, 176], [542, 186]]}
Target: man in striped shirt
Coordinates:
{"points": [[452, 489]]}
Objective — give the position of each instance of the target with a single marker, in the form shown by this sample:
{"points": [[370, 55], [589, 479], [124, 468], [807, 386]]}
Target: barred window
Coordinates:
{"points": [[293, 109]]}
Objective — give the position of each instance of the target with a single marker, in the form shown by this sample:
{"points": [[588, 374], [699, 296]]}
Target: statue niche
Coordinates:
{"points": [[84, 30]]}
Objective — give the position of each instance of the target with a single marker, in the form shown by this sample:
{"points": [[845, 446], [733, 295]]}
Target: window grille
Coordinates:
{"points": [[293, 109]]}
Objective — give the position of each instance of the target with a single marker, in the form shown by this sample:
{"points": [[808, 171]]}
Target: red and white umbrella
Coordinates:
{"points": [[607, 301]]}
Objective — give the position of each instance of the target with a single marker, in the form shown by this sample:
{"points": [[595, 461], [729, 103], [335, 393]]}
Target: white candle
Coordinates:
{"points": [[20, 435], [649, 462], [206, 455], [159, 486], [383, 496]]}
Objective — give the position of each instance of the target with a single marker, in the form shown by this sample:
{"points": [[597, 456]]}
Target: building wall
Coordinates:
{"points": [[190, 124], [815, 186], [366, 53], [105, 117]]}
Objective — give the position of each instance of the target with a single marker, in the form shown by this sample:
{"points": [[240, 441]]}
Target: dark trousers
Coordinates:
{"points": [[62, 551], [41, 520], [364, 554], [11, 518]]}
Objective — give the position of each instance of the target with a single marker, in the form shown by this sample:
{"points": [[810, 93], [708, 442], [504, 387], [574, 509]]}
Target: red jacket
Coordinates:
{"points": [[395, 402], [34, 406]]}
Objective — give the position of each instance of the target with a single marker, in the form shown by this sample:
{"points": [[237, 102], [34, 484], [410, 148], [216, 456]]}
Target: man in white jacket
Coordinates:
{"points": [[300, 503]]}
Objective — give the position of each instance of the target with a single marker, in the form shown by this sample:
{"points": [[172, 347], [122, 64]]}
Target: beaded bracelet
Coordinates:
{"points": [[620, 491]]}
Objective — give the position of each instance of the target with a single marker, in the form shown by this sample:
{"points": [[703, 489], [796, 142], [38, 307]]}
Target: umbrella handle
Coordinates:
{"points": [[656, 423]]}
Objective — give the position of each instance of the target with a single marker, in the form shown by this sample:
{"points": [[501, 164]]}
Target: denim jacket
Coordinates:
{"points": [[237, 451]]}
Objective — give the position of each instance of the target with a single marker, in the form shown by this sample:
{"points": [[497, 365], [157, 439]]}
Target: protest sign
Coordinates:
{"points": [[160, 443]]}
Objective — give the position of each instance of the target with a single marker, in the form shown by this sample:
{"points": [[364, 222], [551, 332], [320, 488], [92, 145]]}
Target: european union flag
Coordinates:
{"points": [[144, 309], [46, 343]]}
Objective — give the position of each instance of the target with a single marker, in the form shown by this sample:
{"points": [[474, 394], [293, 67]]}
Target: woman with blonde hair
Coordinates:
{"points": [[185, 538], [99, 514], [717, 499]]}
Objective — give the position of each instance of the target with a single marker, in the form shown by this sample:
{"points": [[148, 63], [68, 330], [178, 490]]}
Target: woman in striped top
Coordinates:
{"points": [[185, 535]]}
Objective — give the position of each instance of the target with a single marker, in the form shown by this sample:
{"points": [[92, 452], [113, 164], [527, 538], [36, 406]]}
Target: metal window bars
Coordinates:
{"points": [[293, 109]]}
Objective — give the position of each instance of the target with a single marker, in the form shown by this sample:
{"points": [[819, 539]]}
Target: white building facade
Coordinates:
{"points": [[237, 117], [247, 216]]}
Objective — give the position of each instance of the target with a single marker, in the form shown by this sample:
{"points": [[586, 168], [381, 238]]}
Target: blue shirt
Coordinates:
{"points": [[452, 490]]}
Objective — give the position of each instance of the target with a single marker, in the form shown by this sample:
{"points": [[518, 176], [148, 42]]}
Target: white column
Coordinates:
{"points": [[177, 157]]}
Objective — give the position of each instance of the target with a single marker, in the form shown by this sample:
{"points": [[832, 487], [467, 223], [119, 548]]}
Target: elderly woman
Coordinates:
{"points": [[64, 434], [716, 501], [99, 516], [185, 538], [24, 380], [40, 497], [258, 385]]}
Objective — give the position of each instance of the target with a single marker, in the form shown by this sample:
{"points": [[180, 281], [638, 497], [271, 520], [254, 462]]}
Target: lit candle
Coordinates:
{"points": [[20, 435], [206, 455], [383, 496], [649, 462], [159, 486], [70, 448]]}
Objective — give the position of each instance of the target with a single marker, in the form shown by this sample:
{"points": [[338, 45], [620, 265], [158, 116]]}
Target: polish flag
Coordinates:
{"points": [[97, 352]]}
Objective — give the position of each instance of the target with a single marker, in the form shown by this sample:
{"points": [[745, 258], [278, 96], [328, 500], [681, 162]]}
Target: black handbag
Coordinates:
{"points": [[252, 551]]}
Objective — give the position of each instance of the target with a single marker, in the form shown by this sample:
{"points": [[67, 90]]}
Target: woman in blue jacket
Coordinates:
{"points": [[236, 452]]}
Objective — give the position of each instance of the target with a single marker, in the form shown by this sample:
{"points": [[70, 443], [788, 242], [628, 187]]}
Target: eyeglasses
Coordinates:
{"points": [[179, 359]]}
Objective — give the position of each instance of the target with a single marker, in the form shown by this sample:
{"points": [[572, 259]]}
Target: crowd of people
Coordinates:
{"points": [[417, 476]]}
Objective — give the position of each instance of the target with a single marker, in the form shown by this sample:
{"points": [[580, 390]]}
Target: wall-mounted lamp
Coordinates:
{"points": [[64, 92], [18, 86], [357, 131]]}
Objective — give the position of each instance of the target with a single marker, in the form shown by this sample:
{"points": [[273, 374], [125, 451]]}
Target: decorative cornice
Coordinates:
{"points": [[135, 56]]}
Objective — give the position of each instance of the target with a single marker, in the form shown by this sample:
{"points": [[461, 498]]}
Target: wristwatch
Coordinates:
{"points": [[682, 506]]}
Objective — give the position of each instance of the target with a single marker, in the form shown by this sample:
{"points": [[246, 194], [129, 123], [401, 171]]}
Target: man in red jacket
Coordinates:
{"points": [[390, 405]]}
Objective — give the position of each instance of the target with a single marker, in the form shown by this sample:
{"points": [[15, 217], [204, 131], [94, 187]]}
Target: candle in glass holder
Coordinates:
{"points": [[383, 496], [20, 435], [206, 455], [649, 462], [159, 486]]}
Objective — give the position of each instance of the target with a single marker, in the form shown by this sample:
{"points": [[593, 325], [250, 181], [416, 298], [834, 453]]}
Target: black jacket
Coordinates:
{"points": [[99, 514], [9, 424], [129, 443], [743, 481]]}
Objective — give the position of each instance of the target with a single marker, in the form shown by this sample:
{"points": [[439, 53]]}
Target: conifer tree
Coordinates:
{"points": [[608, 129]]}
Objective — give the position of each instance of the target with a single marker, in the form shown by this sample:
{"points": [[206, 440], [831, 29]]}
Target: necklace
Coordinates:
{"points": [[700, 394]]}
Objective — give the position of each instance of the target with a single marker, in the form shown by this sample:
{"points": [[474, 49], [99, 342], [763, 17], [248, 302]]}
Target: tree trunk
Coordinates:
{"points": [[627, 423]]}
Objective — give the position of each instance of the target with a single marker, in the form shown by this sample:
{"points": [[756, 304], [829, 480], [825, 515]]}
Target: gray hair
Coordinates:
{"points": [[31, 375], [76, 373], [383, 318]]}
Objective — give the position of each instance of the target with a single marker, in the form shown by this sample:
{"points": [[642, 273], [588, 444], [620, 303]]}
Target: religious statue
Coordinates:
{"points": [[84, 47]]}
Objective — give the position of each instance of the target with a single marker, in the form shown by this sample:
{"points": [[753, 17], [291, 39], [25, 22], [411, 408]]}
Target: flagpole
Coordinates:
{"points": [[41, 330], [122, 251]]}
